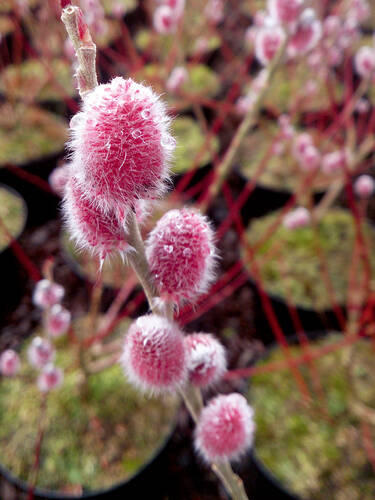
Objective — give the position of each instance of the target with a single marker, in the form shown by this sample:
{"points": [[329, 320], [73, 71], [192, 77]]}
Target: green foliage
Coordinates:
{"points": [[28, 133], [315, 454], [38, 79], [12, 216], [190, 145], [281, 171], [96, 435], [129, 5], [295, 270]]}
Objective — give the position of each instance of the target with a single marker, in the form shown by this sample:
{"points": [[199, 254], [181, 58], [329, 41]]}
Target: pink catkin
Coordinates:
{"points": [[285, 11], [154, 357], [225, 429], [364, 186], [205, 359], [9, 363], [50, 378], [297, 218], [267, 43], [46, 294], [121, 145], [90, 227], [40, 352], [181, 255], [58, 179], [57, 321]]}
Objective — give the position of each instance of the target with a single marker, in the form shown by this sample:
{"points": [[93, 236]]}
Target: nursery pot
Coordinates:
{"points": [[12, 274], [42, 203], [150, 481]]}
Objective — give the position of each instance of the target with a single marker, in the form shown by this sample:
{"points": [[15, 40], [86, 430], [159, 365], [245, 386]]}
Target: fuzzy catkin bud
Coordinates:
{"points": [[181, 255], [57, 321], [285, 11], [165, 20], [50, 378], [206, 360], [300, 217], [90, 227], [9, 363], [364, 186], [225, 428], [121, 145], [58, 179], [267, 43], [40, 352], [364, 61], [178, 77], [154, 358], [46, 294]]}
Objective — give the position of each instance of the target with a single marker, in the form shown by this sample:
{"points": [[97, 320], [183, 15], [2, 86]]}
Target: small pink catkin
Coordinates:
{"points": [[334, 162], [58, 179], [364, 186], [181, 255], [310, 159], [50, 378], [89, 227], [307, 35], [47, 293], [206, 359], [297, 218], [40, 352], [57, 321], [121, 145], [285, 11], [165, 20], [225, 428], [364, 61], [178, 77], [267, 42], [154, 358], [9, 363]]}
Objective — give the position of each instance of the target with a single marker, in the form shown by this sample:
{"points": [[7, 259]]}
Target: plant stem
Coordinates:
{"points": [[226, 163], [191, 395], [84, 47]]}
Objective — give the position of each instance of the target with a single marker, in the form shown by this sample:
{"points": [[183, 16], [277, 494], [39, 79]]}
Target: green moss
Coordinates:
{"points": [[294, 270], [28, 133], [281, 171], [288, 84], [90, 442], [202, 82], [37, 79], [315, 454], [12, 216], [190, 141], [129, 5]]}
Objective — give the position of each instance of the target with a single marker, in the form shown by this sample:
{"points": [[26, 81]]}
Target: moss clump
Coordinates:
{"points": [[288, 84], [12, 216], [281, 171], [190, 141], [202, 82], [90, 442], [293, 269], [28, 133], [37, 79], [314, 453], [129, 5]]}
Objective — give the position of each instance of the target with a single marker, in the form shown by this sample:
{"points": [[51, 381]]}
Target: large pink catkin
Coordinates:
{"points": [[181, 255], [121, 145], [225, 428], [206, 360], [154, 357], [90, 227]]}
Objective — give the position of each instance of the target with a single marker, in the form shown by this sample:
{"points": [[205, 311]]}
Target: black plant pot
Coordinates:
{"points": [[150, 481], [13, 276], [30, 180], [262, 200], [310, 319]]}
